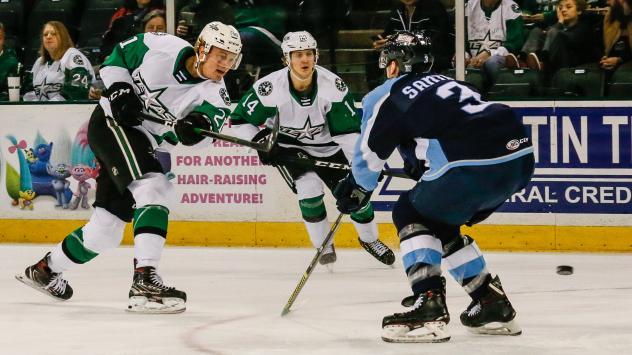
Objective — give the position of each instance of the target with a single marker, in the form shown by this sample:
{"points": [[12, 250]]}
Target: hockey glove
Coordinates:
{"points": [[124, 104], [266, 158], [185, 128], [350, 197]]}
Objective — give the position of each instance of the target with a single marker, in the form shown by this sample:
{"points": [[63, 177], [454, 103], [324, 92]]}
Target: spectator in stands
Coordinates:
{"points": [[260, 24], [538, 15], [61, 72], [155, 21], [495, 34], [126, 22], [8, 61], [617, 36], [197, 13], [429, 16], [568, 43]]}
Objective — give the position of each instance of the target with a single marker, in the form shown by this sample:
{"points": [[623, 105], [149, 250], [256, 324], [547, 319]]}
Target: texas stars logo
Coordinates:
{"points": [[307, 132], [150, 99], [486, 42], [224, 95]]}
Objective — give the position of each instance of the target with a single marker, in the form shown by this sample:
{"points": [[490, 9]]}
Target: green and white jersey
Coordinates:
{"points": [[320, 122], [154, 63], [68, 78], [500, 30]]}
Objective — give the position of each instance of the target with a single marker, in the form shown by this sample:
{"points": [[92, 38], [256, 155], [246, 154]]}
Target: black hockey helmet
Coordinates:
{"points": [[411, 51]]}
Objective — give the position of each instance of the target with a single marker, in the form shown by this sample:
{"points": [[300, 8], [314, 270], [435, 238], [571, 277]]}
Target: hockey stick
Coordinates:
{"points": [[312, 264], [264, 146], [305, 161]]}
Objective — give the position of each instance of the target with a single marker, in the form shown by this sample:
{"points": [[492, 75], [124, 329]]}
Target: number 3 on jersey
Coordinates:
{"points": [[469, 100]]}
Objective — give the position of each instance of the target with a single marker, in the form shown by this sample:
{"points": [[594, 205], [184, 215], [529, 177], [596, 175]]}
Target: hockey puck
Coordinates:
{"points": [[564, 270]]}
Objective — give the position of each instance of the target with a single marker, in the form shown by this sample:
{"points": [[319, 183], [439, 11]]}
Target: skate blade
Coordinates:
{"points": [[28, 282], [498, 328], [166, 306], [431, 332]]}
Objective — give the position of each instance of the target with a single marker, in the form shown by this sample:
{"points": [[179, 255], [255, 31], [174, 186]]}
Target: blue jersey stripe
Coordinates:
{"points": [[433, 175]]}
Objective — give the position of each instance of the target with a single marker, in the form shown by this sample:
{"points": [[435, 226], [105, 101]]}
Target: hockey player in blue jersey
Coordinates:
{"points": [[476, 155]]}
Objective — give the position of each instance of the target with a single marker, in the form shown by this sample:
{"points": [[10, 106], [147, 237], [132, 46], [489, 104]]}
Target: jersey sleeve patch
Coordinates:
{"points": [[265, 88], [223, 93], [340, 85]]}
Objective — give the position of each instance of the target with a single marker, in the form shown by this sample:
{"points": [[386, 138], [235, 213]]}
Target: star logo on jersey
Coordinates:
{"points": [[307, 132], [265, 88], [150, 98], [44, 90], [485, 43]]}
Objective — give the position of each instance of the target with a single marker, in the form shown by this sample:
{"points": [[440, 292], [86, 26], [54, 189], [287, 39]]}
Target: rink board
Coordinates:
{"points": [[579, 199]]}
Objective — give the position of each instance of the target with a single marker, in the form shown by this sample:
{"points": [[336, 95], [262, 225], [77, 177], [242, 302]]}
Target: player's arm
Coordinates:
{"points": [[249, 114], [205, 116], [344, 124], [380, 135]]}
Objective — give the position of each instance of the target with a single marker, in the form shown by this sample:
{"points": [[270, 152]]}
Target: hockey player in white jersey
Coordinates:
{"points": [[317, 119], [161, 75]]}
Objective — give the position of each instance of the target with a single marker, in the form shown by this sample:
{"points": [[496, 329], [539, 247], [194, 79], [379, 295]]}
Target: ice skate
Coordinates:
{"points": [[492, 314], [425, 323], [41, 278], [149, 295], [379, 250]]}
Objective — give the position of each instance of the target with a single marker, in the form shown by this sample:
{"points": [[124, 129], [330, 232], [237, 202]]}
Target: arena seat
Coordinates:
{"points": [[620, 85], [52, 10], [516, 84], [583, 81], [472, 76]]}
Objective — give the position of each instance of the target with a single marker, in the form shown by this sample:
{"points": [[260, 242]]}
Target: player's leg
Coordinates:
{"points": [[104, 231], [421, 255], [127, 154], [481, 190], [309, 189], [364, 219]]}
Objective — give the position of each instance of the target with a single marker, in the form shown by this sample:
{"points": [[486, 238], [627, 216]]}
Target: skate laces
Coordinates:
{"points": [[474, 310], [156, 280], [57, 284], [378, 247]]}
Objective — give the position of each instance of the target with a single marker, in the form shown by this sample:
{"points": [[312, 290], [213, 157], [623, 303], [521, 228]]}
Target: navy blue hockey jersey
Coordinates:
{"points": [[446, 119]]}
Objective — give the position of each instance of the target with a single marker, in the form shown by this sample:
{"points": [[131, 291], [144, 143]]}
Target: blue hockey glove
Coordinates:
{"points": [[350, 197], [124, 104], [185, 128]]}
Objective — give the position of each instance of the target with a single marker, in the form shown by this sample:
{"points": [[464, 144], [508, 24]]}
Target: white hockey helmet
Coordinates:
{"points": [[297, 41], [217, 34]]}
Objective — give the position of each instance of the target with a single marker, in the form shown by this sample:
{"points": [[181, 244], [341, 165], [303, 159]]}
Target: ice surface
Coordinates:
{"points": [[236, 297]]}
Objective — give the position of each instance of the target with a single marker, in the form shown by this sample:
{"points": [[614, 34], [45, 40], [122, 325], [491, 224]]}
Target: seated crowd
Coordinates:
{"points": [[58, 57]]}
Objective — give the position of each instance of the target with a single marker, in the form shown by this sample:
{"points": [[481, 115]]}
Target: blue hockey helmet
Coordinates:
{"points": [[411, 51]]}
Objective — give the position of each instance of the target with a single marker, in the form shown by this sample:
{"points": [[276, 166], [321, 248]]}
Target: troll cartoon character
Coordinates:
{"points": [[26, 199], [59, 182], [29, 154], [81, 173]]}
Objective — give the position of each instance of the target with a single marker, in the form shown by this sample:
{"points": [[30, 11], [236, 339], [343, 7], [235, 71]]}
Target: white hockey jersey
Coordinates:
{"points": [[489, 33], [319, 124], [68, 78], [154, 63]]}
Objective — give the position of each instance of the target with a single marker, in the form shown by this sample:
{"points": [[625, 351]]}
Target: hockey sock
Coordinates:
{"points": [[467, 266], [421, 257], [150, 233], [69, 252], [318, 231], [313, 209], [363, 221]]}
